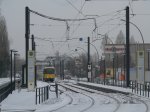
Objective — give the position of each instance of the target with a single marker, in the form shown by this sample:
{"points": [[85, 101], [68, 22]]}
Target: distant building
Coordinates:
{"points": [[118, 51]]}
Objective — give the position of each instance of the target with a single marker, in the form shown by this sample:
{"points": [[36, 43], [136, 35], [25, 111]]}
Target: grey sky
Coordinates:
{"points": [[14, 12]]}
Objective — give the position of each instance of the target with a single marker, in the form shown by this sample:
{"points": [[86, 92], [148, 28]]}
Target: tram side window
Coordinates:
{"points": [[48, 71]]}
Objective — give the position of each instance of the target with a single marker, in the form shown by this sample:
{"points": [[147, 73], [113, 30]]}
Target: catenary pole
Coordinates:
{"points": [[127, 48], [27, 32]]}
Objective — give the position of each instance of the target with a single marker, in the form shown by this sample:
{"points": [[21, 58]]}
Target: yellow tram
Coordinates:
{"points": [[49, 74]]}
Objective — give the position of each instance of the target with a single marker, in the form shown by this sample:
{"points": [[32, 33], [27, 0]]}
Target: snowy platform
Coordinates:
{"points": [[105, 88], [24, 101]]}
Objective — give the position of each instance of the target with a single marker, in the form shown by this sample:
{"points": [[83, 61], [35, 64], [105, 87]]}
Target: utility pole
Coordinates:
{"points": [[11, 74], [35, 65], [33, 48], [113, 71], [11, 70], [15, 70], [89, 65], [27, 33], [104, 71], [127, 48]]}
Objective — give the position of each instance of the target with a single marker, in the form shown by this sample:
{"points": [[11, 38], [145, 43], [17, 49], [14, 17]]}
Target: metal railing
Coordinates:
{"points": [[140, 89], [5, 90], [111, 82], [42, 94], [56, 89]]}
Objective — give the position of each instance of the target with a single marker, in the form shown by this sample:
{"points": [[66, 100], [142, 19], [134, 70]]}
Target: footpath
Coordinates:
{"points": [[24, 101]]}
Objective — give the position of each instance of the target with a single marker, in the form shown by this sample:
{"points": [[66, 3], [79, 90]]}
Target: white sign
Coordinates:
{"points": [[140, 66], [31, 70], [89, 75], [89, 67]]}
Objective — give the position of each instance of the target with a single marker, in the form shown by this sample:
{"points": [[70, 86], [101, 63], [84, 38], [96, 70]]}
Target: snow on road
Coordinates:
{"points": [[67, 102]]}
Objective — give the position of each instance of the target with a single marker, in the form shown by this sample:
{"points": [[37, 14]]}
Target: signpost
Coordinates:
{"points": [[89, 72], [31, 70], [140, 67]]}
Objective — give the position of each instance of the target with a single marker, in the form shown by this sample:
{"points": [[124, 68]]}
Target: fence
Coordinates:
{"points": [[56, 89], [111, 82], [42, 94], [5, 90], [137, 88], [140, 89]]}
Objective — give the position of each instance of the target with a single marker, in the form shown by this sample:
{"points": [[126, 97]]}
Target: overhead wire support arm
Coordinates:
{"points": [[59, 19]]}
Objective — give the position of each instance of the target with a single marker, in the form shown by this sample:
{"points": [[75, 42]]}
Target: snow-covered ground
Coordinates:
{"points": [[4, 81], [24, 100]]}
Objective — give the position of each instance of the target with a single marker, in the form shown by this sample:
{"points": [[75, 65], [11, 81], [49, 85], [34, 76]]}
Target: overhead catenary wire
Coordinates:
{"points": [[74, 21], [59, 19], [130, 5], [79, 11], [68, 20], [76, 18], [111, 19]]}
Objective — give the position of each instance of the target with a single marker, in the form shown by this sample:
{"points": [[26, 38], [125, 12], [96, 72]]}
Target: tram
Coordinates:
{"points": [[49, 74]]}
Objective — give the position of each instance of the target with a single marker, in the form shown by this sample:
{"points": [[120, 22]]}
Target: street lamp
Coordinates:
{"points": [[104, 67], [143, 43], [138, 30], [11, 51], [89, 62], [113, 55]]}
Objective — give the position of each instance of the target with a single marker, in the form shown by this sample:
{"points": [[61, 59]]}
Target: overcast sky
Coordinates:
{"points": [[14, 13]]}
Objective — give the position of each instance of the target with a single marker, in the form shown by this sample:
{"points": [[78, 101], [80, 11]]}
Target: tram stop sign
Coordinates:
{"points": [[89, 67]]}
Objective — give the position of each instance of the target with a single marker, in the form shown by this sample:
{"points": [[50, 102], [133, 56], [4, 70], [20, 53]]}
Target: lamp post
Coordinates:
{"points": [[80, 63], [113, 60], [89, 61], [113, 55], [104, 68], [15, 54], [11, 51], [128, 53], [138, 30]]}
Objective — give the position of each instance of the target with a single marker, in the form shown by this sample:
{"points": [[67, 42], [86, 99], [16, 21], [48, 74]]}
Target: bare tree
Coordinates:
{"points": [[4, 48], [105, 41], [120, 38], [132, 40]]}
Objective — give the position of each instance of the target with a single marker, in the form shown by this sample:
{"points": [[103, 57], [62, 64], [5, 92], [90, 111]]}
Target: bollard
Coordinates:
{"points": [[140, 89], [56, 89], [39, 95], [132, 85], [137, 88], [148, 90], [145, 90], [36, 96], [47, 92], [42, 94]]}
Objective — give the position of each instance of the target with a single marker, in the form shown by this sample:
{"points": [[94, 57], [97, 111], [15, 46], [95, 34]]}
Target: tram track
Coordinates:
{"points": [[131, 96], [110, 95], [106, 95], [76, 91], [71, 100]]}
